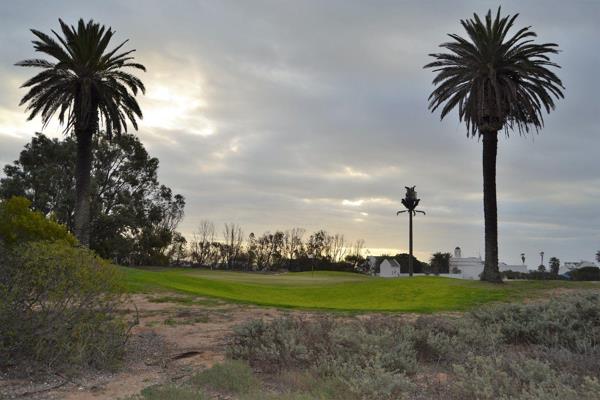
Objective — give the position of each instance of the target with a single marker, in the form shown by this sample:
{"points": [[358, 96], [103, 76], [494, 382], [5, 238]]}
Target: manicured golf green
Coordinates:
{"points": [[338, 290]]}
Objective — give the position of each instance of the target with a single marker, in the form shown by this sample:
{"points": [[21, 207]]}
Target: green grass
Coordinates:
{"points": [[338, 290]]}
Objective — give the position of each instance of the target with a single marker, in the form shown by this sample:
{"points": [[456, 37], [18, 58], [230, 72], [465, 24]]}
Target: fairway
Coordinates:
{"points": [[338, 290]]}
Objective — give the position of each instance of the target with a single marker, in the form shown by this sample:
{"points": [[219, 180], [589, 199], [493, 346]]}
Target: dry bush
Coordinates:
{"points": [[57, 308]]}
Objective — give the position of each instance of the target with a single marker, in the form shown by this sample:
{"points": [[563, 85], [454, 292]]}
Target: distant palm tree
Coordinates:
{"points": [[85, 84], [497, 82]]}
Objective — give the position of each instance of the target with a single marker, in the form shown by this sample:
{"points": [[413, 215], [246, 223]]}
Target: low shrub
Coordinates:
{"points": [[517, 377], [232, 376], [546, 350], [572, 322], [57, 307], [532, 275]]}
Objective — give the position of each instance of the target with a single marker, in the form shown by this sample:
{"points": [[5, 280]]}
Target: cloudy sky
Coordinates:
{"points": [[276, 114]]}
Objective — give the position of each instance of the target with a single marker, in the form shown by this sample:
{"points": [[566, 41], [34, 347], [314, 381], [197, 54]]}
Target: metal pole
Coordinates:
{"points": [[410, 244]]}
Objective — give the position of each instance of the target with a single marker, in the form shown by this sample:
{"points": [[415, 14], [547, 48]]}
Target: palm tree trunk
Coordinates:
{"points": [[491, 273], [83, 169]]}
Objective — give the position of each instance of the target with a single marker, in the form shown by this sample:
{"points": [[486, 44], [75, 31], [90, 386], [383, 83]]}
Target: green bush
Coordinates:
{"points": [[572, 322], [368, 358], [58, 307], [517, 377], [532, 275], [232, 376], [19, 224]]}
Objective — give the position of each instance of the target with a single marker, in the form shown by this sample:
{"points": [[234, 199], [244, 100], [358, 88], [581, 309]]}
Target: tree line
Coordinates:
{"points": [[291, 249]]}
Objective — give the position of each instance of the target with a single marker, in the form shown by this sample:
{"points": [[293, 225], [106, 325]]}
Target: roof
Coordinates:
{"points": [[392, 262]]}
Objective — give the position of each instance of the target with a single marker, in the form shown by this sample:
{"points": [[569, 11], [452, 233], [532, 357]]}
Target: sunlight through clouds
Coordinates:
{"points": [[173, 104]]}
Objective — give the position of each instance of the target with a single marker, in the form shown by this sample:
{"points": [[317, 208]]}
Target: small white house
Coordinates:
{"points": [[389, 268]]}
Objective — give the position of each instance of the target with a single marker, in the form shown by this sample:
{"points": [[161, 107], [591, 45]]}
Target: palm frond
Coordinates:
{"points": [[495, 80], [84, 82]]}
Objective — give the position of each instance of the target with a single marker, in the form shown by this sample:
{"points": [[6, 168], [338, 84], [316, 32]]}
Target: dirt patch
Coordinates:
{"points": [[176, 336]]}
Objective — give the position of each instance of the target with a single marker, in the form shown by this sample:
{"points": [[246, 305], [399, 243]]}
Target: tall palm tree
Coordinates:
{"points": [[86, 85], [498, 82]]}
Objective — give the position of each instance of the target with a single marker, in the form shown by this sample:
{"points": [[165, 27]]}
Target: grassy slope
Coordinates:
{"points": [[337, 290]]}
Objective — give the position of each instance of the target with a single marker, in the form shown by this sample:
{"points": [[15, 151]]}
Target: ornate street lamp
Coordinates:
{"points": [[411, 202]]}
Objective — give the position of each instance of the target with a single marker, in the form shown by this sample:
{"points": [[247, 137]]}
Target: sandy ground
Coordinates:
{"points": [[172, 341]]}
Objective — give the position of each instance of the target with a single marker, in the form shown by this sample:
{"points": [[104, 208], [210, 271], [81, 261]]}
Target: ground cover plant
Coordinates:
{"points": [[338, 290], [542, 350]]}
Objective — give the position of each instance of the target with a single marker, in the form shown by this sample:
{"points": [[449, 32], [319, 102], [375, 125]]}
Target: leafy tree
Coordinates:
{"points": [[440, 263], [133, 217], [598, 256], [86, 84], [497, 82], [554, 265], [402, 259], [541, 268]]}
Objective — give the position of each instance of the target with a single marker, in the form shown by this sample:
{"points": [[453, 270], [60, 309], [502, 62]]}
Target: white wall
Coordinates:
{"points": [[387, 270]]}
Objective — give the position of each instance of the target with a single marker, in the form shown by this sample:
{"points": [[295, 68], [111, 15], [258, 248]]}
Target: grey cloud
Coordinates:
{"points": [[299, 92]]}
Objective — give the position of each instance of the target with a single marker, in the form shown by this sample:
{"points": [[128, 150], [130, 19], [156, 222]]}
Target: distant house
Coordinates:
{"points": [[472, 267], [389, 268], [385, 267], [571, 265]]}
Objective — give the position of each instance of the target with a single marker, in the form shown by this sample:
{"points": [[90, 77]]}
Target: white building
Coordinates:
{"points": [[389, 268], [472, 267], [384, 267], [571, 265]]}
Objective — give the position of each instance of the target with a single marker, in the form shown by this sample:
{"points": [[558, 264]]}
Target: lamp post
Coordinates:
{"points": [[523, 258], [411, 202]]}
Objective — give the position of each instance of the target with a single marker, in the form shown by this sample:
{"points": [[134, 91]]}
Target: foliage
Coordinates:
{"points": [[418, 266], [18, 224], [57, 307], [572, 323], [532, 275], [440, 263], [518, 377], [496, 80], [85, 79], [232, 376], [133, 217], [586, 274], [526, 351], [554, 265], [273, 251], [85, 85]]}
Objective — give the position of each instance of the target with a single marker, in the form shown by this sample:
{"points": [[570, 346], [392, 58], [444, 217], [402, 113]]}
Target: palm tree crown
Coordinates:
{"points": [[85, 81], [496, 81]]}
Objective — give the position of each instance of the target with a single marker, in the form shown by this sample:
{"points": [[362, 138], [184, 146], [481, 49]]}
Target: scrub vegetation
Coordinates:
{"points": [[546, 350]]}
